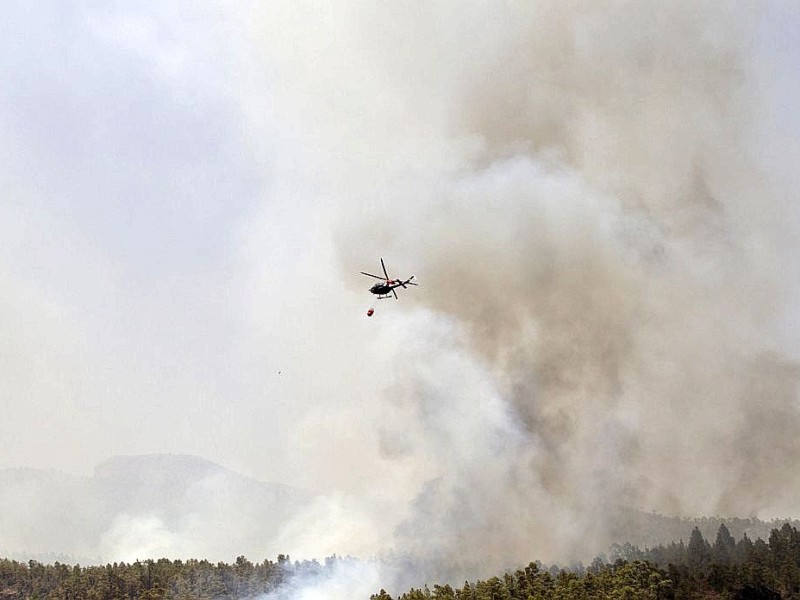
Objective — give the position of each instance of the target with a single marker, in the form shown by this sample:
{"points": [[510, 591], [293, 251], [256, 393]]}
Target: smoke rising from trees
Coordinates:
{"points": [[597, 198], [579, 190]]}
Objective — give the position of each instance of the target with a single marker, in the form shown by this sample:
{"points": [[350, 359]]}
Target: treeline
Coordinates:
{"points": [[725, 569], [648, 529], [161, 579]]}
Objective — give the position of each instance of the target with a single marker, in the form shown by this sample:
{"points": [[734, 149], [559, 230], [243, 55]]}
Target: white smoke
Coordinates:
{"points": [[577, 189], [599, 205], [338, 579], [131, 537]]}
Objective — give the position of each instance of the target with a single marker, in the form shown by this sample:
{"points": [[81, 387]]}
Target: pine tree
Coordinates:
{"points": [[725, 546], [698, 551]]}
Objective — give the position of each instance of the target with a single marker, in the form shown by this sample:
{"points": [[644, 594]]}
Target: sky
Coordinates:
{"points": [[133, 176], [599, 202]]}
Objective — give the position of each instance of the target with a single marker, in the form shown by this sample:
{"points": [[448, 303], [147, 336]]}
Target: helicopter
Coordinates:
{"points": [[386, 285]]}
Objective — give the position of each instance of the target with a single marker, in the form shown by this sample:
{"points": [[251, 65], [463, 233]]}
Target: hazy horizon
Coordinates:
{"points": [[598, 200]]}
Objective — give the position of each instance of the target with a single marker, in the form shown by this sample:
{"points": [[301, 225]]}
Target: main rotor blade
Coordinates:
{"points": [[384, 269], [395, 294], [371, 275]]}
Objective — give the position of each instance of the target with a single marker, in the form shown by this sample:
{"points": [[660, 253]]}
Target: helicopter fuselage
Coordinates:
{"points": [[383, 289]]}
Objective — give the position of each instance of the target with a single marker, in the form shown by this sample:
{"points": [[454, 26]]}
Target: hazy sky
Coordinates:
{"points": [[189, 190], [167, 250], [131, 174]]}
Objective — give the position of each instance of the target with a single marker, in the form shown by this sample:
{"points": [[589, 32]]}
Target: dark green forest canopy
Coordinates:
{"points": [[724, 568], [700, 568]]}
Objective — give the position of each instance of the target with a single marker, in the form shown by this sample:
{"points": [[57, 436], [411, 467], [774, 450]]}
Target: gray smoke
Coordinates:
{"points": [[597, 197], [579, 188]]}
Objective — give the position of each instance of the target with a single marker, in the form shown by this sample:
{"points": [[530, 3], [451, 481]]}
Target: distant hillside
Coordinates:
{"points": [[179, 506], [142, 506], [650, 529]]}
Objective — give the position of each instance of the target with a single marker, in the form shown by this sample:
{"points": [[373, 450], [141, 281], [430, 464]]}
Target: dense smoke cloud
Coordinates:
{"points": [[576, 188], [598, 199]]}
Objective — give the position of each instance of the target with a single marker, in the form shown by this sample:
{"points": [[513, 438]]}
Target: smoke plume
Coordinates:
{"points": [[598, 199], [578, 188]]}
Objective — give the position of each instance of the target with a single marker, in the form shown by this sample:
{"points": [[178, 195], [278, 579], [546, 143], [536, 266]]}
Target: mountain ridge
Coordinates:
{"points": [[143, 506]]}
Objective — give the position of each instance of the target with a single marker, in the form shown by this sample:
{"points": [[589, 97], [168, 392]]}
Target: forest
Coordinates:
{"points": [[724, 569]]}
